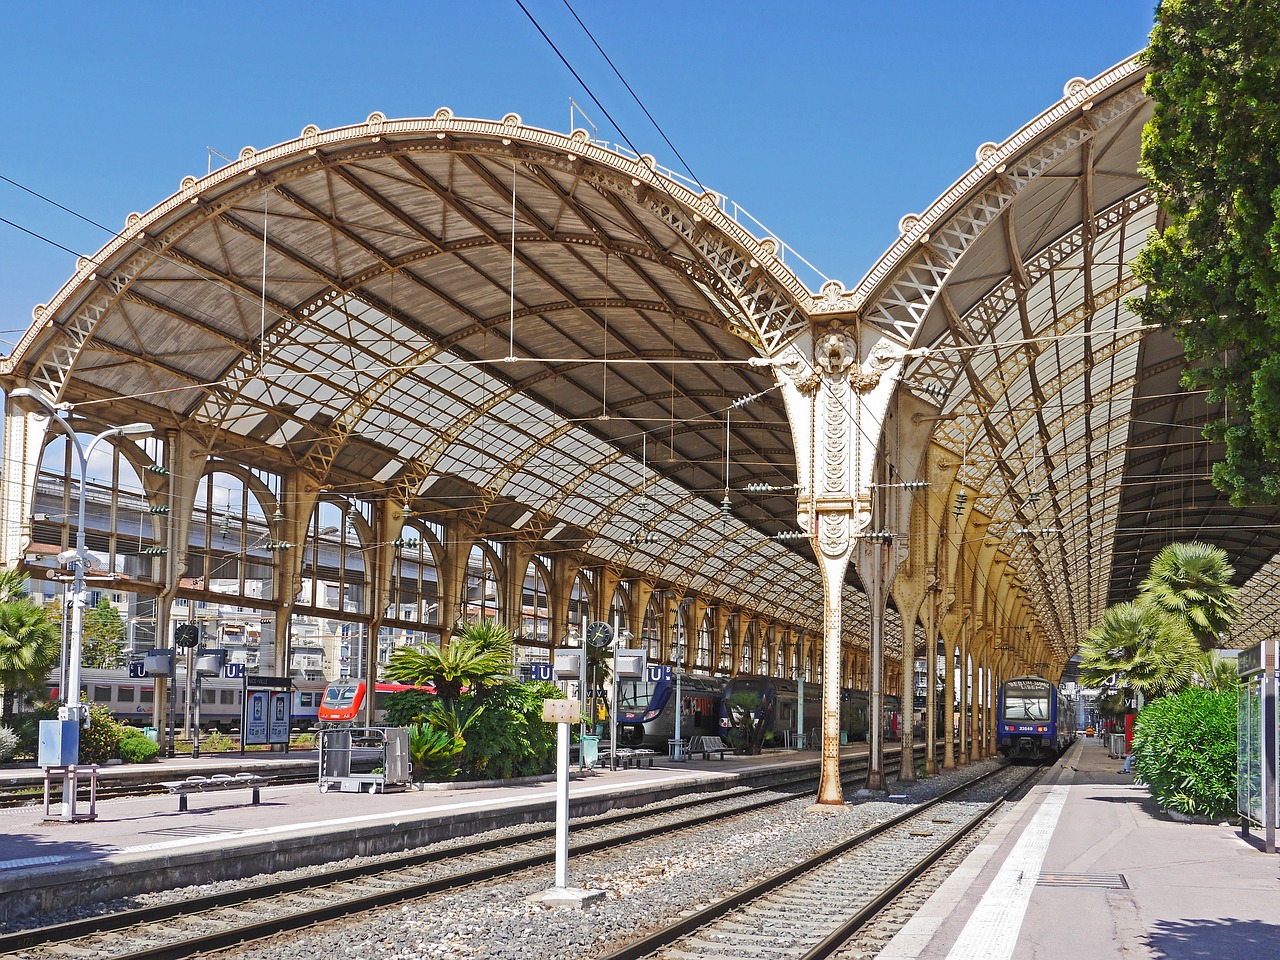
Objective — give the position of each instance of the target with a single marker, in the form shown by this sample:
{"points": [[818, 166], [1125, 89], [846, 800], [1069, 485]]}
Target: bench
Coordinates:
{"points": [[709, 745], [219, 781], [626, 757]]}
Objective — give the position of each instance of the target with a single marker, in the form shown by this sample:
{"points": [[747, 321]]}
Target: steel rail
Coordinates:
{"points": [[657, 940], [52, 936], [840, 937]]}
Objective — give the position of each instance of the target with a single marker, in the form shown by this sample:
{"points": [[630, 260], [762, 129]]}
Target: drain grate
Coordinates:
{"points": [[1108, 881], [193, 832]]}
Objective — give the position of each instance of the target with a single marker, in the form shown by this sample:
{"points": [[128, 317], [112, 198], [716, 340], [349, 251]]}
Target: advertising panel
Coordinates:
{"points": [[278, 725], [256, 710], [268, 712]]}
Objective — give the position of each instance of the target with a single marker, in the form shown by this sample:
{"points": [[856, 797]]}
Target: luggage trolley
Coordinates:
{"points": [[387, 747]]}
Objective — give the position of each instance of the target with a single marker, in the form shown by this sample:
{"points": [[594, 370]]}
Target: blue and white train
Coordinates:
{"points": [[1035, 720]]}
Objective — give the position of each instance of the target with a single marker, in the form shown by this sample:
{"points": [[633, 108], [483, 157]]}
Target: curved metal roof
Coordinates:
{"points": [[473, 317], [555, 341], [1080, 453]]}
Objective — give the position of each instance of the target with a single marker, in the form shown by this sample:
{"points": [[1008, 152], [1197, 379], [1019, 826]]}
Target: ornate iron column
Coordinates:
{"points": [[836, 403]]}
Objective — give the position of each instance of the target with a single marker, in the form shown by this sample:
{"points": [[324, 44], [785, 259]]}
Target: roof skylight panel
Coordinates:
{"points": [[531, 489]]}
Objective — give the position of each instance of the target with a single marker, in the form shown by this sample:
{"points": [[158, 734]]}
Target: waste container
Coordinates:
{"points": [[590, 751]]}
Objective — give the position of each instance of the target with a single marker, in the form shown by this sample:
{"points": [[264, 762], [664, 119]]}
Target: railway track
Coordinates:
{"points": [[260, 910], [814, 908]]}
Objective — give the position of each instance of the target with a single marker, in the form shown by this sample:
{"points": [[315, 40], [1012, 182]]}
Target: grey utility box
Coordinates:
{"points": [[59, 743]]}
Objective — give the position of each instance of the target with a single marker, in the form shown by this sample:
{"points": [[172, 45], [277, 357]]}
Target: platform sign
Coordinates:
{"points": [[233, 671], [138, 670], [658, 672], [540, 671]]}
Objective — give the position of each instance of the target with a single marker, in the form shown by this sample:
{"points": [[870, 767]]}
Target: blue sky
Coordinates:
{"points": [[827, 121]]}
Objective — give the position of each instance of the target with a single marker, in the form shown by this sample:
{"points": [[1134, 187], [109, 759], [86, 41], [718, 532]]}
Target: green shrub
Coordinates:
{"points": [[404, 707], [745, 734], [101, 741], [27, 727], [510, 739], [434, 752], [215, 741], [1185, 752], [8, 744], [136, 746]]}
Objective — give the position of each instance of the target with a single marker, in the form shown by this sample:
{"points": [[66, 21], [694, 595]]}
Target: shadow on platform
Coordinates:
{"points": [[1225, 939]]}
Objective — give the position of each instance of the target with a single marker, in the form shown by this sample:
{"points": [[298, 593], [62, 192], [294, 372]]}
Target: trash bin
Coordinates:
{"points": [[151, 734], [590, 747]]}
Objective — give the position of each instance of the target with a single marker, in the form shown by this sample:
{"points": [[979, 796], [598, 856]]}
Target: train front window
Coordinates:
{"points": [[335, 696], [634, 695], [1024, 702]]}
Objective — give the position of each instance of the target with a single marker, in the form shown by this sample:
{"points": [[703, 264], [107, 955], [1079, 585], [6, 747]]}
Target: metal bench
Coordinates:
{"points": [[626, 757], [709, 745], [219, 781]]}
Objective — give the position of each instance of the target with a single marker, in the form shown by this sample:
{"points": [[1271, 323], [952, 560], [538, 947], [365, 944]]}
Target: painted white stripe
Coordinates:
{"points": [[992, 930]]}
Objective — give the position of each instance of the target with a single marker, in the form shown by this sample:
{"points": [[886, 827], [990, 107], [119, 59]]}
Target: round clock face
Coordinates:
{"points": [[599, 633]]}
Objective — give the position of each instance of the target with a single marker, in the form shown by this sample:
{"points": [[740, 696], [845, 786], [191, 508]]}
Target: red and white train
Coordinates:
{"points": [[343, 702]]}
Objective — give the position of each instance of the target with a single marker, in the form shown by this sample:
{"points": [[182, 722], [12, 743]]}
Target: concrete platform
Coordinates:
{"points": [[1087, 868], [145, 843]]}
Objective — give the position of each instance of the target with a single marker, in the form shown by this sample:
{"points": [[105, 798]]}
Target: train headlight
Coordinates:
{"points": [[1041, 729], [651, 715]]}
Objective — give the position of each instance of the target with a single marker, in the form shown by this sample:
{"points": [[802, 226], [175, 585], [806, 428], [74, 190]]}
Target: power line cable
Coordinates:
{"points": [[634, 97]]}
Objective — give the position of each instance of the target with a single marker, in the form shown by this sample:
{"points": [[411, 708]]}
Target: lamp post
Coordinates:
{"points": [[77, 559]]}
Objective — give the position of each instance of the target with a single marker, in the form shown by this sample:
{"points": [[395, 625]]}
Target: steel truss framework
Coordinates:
{"points": [[534, 339]]}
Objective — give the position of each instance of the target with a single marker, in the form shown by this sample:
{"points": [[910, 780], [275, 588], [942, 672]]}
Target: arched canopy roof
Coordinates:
{"points": [[553, 340], [1079, 455], [476, 318]]}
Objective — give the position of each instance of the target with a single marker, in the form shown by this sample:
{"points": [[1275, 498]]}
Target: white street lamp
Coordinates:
{"points": [[77, 559]]}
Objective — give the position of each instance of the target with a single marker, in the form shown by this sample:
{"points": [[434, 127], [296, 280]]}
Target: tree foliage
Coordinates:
{"points": [[477, 658], [1213, 272], [29, 642], [747, 731], [102, 631], [1141, 649], [1158, 644], [1192, 581], [480, 724]]}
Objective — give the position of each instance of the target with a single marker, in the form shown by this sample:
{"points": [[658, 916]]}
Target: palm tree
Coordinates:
{"points": [[29, 647], [1140, 648], [477, 657], [12, 585], [1192, 581], [1218, 673]]}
